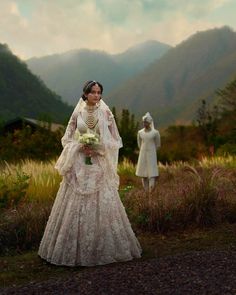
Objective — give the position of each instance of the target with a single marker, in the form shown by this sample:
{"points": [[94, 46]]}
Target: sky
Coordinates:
{"points": [[34, 28]]}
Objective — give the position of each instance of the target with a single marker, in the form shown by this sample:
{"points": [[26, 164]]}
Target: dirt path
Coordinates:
{"points": [[205, 272]]}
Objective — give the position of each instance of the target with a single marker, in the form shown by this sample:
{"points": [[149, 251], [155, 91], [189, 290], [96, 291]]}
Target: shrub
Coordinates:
{"points": [[185, 196], [13, 188]]}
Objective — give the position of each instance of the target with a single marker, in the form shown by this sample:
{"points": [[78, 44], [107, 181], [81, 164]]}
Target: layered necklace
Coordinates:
{"points": [[91, 116]]}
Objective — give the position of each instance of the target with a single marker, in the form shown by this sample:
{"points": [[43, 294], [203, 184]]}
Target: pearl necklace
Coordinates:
{"points": [[91, 118]]}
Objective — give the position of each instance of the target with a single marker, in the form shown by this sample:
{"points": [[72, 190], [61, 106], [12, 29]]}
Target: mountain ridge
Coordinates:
{"points": [[181, 78], [23, 94], [66, 73]]}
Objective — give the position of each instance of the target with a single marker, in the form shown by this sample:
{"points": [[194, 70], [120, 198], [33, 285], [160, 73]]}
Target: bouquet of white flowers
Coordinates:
{"points": [[90, 140]]}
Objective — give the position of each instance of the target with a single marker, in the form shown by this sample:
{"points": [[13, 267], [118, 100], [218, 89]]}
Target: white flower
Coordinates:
{"points": [[87, 138]]}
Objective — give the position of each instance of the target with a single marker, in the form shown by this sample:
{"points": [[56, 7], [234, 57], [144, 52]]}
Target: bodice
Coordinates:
{"points": [[81, 122]]}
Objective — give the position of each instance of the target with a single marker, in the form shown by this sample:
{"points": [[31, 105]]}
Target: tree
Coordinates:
{"points": [[207, 122], [227, 101], [228, 97], [41, 144], [128, 128], [181, 143]]}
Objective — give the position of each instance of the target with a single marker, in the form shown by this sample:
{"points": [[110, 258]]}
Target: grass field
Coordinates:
{"points": [[192, 208]]}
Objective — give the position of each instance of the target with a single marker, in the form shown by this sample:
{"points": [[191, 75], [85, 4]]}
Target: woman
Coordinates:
{"points": [[148, 142], [88, 224]]}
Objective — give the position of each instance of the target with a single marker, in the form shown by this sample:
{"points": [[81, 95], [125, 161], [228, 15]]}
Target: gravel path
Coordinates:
{"points": [[205, 272]]}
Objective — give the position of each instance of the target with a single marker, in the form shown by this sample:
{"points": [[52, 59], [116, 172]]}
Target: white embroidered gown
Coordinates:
{"points": [[88, 224]]}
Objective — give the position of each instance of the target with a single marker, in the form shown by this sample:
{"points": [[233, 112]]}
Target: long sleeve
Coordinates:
{"points": [[70, 130], [70, 147], [157, 139]]}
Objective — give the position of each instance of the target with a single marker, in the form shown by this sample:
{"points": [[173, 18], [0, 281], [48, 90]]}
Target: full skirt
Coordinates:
{"points": [[88, 229]]}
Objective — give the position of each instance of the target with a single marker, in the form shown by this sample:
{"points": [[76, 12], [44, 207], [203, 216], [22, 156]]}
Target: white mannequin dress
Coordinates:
{"points": [[88, 224], [148, 143]]}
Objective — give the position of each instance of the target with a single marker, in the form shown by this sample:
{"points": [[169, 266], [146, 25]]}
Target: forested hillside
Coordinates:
{"points": [[24, 94], [172, 87]]}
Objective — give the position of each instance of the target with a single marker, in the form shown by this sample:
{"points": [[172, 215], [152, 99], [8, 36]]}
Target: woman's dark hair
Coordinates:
{"points": [[88, 88]]}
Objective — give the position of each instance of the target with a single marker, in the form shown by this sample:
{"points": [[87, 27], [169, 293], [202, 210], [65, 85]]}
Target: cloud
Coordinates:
{"points": [[36, 27]]}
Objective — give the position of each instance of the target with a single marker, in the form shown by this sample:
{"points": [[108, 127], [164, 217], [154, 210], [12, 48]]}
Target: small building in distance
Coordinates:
{"points": [[22, 122]]}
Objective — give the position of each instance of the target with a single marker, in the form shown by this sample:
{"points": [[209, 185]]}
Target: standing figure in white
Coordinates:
{"points": [[148, 142]]}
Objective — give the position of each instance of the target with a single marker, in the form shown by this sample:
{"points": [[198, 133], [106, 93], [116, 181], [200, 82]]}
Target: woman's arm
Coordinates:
{"points": [[70, 130]]}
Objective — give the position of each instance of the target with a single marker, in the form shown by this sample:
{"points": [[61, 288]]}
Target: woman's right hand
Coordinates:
{"points": [[85, 149], [90, 151]]}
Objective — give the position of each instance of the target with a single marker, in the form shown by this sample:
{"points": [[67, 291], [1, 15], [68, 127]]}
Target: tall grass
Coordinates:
{"points": [[227, 161], [204, 193], [43, 180], [186, 196], [201, 194], [27, 191]]}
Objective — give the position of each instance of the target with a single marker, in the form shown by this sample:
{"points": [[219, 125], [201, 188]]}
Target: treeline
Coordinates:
{"points": [[44, 145], [213, 132], [40, 144]]}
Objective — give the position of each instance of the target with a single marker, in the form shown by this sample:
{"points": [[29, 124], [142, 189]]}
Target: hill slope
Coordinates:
{"points": [[172, 87], [66, 73], [23, 94]]}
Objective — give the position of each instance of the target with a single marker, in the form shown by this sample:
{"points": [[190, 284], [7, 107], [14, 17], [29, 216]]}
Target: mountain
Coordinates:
{"points": [[138, 57], [23, 94], [66, 73], [171, 88]]}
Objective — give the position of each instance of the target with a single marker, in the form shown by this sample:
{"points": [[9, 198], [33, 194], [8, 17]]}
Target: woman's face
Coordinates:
{"points": [[94, 96]]}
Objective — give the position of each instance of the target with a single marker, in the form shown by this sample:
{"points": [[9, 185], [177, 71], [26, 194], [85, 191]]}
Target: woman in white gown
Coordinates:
{"points": [[148, 142], [88, 224]]}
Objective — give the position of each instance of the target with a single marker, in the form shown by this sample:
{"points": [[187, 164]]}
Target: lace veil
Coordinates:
{"points": [[109, 137]]}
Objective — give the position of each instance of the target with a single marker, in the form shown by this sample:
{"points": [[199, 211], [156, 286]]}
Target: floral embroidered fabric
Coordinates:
{"points": [[88, 224]]}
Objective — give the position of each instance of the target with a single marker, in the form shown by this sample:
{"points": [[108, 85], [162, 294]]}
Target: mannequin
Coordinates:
{"points": [[148, 140]]}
